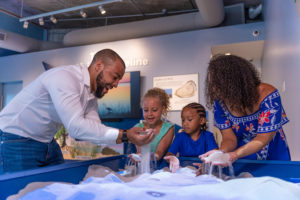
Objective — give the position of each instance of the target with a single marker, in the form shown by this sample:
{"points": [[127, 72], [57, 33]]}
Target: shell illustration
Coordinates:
{"points": [[186, 90]]}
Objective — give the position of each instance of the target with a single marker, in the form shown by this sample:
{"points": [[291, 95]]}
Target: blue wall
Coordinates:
{"points": [[11, 23]]}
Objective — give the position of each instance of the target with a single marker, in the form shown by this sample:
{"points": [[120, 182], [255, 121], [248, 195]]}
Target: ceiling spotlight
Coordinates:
{"points": [[41, 21], [101, 9], [83, 14], [53, 19], [25, 25]]}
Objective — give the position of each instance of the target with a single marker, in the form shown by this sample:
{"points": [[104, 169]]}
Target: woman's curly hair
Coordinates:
{"points": [[234, 81]]}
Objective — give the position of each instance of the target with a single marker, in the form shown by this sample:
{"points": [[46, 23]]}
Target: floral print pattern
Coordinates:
{"points": [[269, 118], [264, 118]]}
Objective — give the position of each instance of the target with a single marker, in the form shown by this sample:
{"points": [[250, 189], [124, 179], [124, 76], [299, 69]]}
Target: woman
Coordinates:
{"points": [[248, 112]]}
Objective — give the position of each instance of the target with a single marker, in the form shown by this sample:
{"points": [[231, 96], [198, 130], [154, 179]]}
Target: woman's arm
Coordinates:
{"points": [[229, 140], [164, 143], [254, 145], [261, 139]]}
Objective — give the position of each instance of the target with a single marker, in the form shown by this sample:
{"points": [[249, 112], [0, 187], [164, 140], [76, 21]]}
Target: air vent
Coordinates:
{"points": [[2, 36], [235, 14]]}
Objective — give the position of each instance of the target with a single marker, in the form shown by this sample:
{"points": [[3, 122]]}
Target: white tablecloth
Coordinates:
{"points": [[165, 185]]}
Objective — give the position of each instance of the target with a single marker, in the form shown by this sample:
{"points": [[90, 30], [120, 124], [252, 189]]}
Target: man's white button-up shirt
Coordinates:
{"points": [[59, 96]]}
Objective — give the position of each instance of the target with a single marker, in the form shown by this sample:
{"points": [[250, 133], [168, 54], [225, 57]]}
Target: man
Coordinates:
{"points": [[63, 95]]}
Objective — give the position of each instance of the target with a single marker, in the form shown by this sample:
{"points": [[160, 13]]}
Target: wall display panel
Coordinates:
{"points": [[182, 89], [123, 101]]}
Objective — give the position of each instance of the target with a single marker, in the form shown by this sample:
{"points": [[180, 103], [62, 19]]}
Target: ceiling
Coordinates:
{"points": [[116, 12]]}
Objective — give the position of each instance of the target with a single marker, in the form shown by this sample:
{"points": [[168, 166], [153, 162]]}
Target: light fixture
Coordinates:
{"points": [[25, 25], [83, 14], [53, 19], [41, 21], [101, 9], [227, 54], [99, 3]]}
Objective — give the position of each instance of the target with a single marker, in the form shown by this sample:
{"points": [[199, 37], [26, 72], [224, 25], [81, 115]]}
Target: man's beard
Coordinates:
{"points": [[100, 86]]}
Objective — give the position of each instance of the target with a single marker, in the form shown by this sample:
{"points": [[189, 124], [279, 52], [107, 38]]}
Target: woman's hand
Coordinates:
{"points": [[216, 157], [173, 163], [233, 156], [204, 156]]}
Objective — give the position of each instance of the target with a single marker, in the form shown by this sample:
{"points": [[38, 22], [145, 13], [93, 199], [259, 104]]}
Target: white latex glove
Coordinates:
{"points": [[204, 156], [173, 163], [135, 157], [217, 158]]}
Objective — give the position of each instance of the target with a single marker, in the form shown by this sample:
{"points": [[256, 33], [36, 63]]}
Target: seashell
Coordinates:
{"points": [[186, 90]]}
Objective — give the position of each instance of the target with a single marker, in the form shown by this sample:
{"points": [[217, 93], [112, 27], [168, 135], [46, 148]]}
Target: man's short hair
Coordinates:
{"points": [[108, 57]]}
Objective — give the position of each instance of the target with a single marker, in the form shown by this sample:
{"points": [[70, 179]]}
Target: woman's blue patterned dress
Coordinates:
{"points": [[269, 118]]}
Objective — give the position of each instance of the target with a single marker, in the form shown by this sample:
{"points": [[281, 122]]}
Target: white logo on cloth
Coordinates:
{"points": [[156, 194]]}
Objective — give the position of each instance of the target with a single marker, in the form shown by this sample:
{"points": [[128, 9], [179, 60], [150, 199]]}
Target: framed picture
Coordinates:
{"points": [[182, 89], [123, 101]]}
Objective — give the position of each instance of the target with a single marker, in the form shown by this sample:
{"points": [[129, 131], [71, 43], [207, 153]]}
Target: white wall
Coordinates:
{"points": [[281, 62]]}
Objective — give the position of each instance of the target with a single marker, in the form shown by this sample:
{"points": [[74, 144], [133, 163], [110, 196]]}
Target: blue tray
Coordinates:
{"points": [[75, 171], [286, 170]]}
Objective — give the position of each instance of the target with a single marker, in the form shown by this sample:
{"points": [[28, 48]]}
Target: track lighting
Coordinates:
{"points": [[41, 21], [83, 14], [25, 25], [52, 13], [53, 19], [101, 9]]}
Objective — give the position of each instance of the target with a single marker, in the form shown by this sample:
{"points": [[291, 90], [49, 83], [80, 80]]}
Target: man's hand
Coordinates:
{"points": [[174, 163], [135, 137]]}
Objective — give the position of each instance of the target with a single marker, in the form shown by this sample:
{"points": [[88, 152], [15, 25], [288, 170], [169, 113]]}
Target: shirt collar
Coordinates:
{"points": [[86, 75], [86, 80]]}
